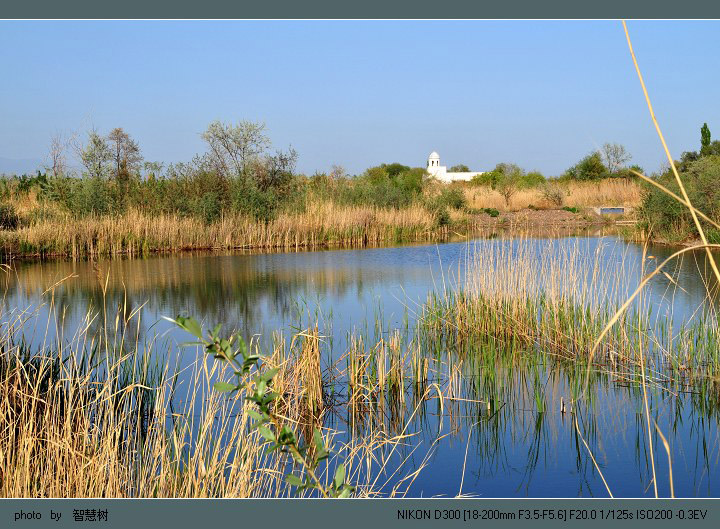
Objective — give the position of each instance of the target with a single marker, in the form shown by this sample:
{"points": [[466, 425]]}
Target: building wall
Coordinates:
{"points": [[443, 175]]}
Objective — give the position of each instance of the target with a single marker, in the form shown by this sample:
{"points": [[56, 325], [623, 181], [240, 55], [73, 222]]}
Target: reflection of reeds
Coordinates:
{"points": [[102, 414]]}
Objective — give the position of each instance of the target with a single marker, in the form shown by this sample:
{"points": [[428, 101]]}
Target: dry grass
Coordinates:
{"points": [[136, 233], [129, 425], [609, 192], [49, 232]]}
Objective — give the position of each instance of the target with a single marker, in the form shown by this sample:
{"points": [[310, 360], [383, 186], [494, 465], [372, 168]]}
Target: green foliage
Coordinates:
{"points": [[449, 197], [627, 172], [532, 179], [591, 167], [705, 136], [571, 209], [509, 178], [255, 381], [670, 220], [491, 211], [394, 169], [9, 219], [440, 204], [461, 168], [399, 187], [509, 173], [711, 149], [487, 178]]}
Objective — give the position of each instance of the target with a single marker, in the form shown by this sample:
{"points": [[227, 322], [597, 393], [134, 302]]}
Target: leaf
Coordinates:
{"points": [[255, 415], [261, 387], [339, 476], [293, 480], [318, 440], [190, 325], [270, 373], [346, 492], [266, 433], [224, 387], [242, 348]]}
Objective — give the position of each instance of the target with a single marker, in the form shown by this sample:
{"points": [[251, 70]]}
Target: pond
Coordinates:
{"points": [[514, 448]]}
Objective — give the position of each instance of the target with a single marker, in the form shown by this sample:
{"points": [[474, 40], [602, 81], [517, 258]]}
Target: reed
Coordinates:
{"points": [[135, 233], [100, 414], [606, 192]]}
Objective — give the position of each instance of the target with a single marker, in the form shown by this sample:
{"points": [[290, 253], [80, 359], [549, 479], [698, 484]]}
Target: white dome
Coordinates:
{"points": [[434, 156]]}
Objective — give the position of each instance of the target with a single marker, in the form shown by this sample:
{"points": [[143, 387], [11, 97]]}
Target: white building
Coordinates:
{"points": [[440, 172]]}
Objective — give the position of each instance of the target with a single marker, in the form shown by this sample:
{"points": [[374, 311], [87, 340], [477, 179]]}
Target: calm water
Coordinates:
{"points": [[509, 451]]}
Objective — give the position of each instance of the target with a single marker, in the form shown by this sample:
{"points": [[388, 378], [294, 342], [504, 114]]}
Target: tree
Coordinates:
{"points": [[276, 172], [57, 159], [615, 157], [233, 147], [125, 153], [96, 156], [589, 168], [337, 172], [394, 169], [153, 169], [704, 136], [461, 168], [508, 180]]}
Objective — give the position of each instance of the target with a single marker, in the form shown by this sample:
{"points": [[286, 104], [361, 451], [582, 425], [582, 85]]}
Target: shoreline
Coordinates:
{"points": [[125, 242]]}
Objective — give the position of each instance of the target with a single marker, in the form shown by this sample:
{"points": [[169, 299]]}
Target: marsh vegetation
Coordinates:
{"points": [[474, 376]]}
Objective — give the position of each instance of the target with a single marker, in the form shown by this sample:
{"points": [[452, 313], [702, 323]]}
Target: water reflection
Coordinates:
{"points": [[500, 425]]}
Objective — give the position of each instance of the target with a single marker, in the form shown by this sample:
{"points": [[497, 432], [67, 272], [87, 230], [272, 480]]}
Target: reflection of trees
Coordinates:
{"points": [[241, 291]]}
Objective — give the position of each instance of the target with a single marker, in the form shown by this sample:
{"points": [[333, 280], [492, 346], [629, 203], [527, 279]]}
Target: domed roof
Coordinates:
{"points": [[434, 156]]}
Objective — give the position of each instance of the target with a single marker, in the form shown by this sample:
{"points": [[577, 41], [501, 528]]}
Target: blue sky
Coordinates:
{"points": [[540, 94]]}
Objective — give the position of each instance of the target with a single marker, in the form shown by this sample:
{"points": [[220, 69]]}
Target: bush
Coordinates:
{"points": [[442, 217], [9, 219], [382, 188], [531, 179], [452, 198], [554, 194], [440, 204], [589, 168], [669, 219]]}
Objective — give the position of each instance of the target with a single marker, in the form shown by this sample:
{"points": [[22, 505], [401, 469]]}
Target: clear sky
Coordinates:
{"points": [[540, 94]]}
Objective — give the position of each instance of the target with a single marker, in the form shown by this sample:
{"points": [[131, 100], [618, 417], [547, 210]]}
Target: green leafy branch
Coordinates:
{"points": [[246, 366]]}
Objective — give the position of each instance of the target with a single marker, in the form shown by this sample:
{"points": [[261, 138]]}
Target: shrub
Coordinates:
{"points": [[554, 194], [452, 198], [442, 217], [672, 220], [589, 168], [378, 187], [9, 219], [531, 179]]}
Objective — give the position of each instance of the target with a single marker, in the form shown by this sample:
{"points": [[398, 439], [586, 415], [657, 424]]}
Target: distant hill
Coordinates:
{"points": [[19, 166]]}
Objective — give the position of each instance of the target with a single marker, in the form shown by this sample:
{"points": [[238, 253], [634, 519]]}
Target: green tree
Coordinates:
{"points": [[234, 147], [591, 167], [509, 179], [461, 168], [96, 155], [705, 136], [394, 169]]}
